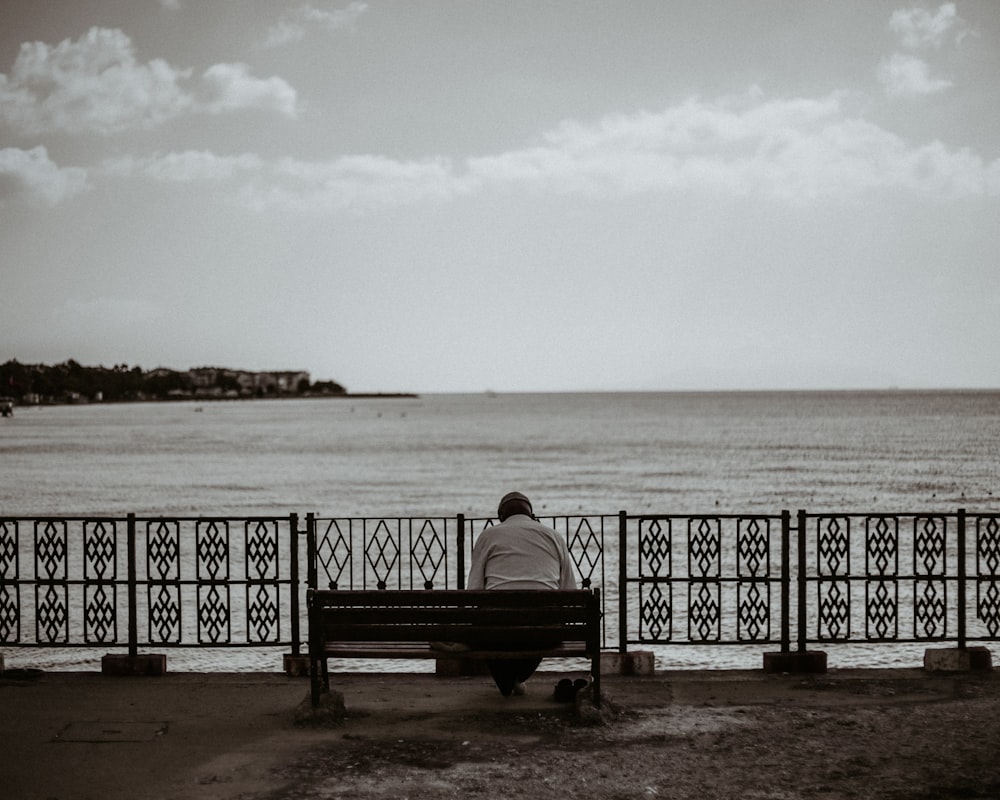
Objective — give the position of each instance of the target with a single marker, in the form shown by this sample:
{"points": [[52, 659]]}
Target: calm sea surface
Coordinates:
{"points": [[444, 454], [438, 455]]}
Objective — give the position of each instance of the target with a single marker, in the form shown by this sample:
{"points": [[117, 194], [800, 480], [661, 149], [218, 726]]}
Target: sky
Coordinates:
{"points": [[462, 195]]}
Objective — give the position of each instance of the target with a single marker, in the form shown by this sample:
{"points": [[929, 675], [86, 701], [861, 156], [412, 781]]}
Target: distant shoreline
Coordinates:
{"points": [[215, 399], [305, 396]]}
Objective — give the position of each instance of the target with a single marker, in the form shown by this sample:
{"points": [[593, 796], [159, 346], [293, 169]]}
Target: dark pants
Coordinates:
{"points": [[508, 671]]}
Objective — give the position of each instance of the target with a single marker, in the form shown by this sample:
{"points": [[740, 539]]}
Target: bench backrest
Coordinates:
{"points": [[515, 617]]}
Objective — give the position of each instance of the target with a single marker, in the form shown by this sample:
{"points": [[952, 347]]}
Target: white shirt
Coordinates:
{"points": [[520, 553]]}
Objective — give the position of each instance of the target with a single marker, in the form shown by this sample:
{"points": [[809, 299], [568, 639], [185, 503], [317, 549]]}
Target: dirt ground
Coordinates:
{"points": [[886, 734], [822, 737]]}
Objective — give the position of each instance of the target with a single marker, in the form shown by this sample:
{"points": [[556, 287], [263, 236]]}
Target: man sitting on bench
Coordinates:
{"points": [[519, 553]]}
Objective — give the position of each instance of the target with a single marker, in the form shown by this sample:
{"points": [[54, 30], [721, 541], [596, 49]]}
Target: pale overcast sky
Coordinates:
{"points": [[464, 195]]}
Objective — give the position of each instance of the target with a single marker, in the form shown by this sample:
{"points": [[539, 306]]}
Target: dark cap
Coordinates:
{"points": [[510, 498]]}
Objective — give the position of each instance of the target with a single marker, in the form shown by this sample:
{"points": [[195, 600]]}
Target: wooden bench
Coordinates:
{"points": [[404, 623]]}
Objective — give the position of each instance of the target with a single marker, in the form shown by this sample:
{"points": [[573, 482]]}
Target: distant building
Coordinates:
{"points": [[223, 382]]}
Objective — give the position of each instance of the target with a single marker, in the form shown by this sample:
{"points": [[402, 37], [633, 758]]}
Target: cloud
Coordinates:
{"points": [[186, 167], [917, 27], [295, 24], [357, 183], [903, 75], [993, 178], [906, 76], [31, 175], [797, 150], [229, 87], [96, 85], [93, 84], [790, 150]]}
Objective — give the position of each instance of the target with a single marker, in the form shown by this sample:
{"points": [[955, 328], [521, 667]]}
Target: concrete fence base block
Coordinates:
{"points": [[143, 664], [957, 659], [295, 666], [1, 665], [640, 662], [808, 662]]}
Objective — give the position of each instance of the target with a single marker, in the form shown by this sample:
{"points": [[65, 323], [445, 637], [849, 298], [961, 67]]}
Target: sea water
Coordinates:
{"points": [[445, 454], [440, 455]]}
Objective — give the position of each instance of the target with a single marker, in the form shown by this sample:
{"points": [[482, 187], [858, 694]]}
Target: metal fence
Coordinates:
{"points": [[810, 579], [137, 582], [782, 581], [925, 577]]}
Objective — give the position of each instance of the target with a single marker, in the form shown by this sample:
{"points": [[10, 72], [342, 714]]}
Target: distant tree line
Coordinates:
{"points": [[70, 381]]}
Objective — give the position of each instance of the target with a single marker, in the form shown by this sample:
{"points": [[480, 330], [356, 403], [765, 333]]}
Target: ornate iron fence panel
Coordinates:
{"points": [[385, 553], [141, 582], [52, 582], [898, 578], [930, 588], [262, 553], [163, 581], [712, 579], [987, 529], [213, 557], [10, 581], [382, 552], [100, 572], [833, 586]]}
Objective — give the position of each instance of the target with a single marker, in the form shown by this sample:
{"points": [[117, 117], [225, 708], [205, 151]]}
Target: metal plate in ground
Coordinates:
{"points": [[101, 731]]}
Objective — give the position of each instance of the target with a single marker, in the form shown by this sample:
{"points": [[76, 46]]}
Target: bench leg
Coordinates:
{"points": [[595, 674]]}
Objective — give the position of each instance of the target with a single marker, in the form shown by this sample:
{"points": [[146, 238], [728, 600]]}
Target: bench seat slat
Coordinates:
{"points": [[419, 615], [523, 598], [335, 632], [409, 650]]}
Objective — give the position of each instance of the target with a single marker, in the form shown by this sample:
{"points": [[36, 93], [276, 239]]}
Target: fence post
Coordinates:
{"points": [[786, 578], [460, 554], [622, 582], [804, 661], [312, 570], [293, 538], [962, 643], [133, 663], [802, 581], [133, 590], [295, 664]]}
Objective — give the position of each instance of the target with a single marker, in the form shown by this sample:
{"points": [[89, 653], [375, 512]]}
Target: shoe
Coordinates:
{"points": [[580, 683], [518, 689], [564, 691]]}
